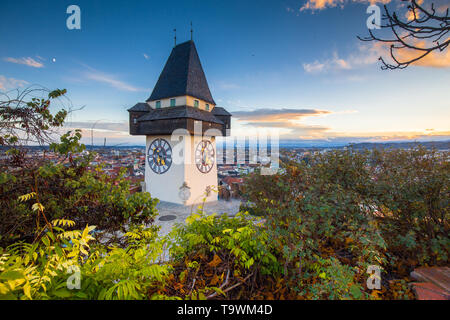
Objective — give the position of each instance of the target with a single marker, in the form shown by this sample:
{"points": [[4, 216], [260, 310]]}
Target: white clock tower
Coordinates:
{"points": [[180, 121]]}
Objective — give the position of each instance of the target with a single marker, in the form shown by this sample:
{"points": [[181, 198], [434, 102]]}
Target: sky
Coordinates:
{"points": [[291, 67]]}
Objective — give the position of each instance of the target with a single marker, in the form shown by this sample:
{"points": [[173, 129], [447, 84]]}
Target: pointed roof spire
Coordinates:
{"points": [[175, 37], [182, 75]]}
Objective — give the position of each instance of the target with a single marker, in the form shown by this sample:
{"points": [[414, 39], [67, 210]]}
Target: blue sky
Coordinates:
{"points": [[257, 56]]}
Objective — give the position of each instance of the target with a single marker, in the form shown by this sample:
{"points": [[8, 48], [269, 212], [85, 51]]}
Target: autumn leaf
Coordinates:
{"points": [[214, 280], [215, 261]]}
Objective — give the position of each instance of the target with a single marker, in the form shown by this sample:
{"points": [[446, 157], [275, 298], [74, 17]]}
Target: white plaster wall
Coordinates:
{"points": [[166, 187], [181, 101], [165, 103], [197, 180]]}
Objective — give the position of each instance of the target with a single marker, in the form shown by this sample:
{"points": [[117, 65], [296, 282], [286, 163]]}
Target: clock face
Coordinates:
{"points": [[159, 156], [204, 156]]}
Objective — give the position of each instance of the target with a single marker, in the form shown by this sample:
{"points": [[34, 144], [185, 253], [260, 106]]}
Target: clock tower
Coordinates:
{"points": [[180, 120]]}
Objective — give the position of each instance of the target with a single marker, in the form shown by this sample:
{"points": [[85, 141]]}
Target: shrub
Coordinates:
{"points": [[237, 240], [213, 255], [69, 188], [412, 196], [388, 208], [70, 192], [47, 268]]}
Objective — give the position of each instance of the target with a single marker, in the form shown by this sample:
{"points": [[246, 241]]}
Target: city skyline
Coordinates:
{"points": [[295, 67]]}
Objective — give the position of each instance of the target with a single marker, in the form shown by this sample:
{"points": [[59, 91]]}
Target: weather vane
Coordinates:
{"points": [[192, 31], [175, 36]]}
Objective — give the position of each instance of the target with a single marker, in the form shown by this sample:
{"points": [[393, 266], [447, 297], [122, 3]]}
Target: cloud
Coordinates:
{"points": [[341, 140], [108, 79], [322, 4], [365, 55], [11, 83], [146, 56], [442, 8], [286, 120], [26, 61], [270, 115], [115, 132], [316, 66], [335, 63], [390, 136], [434, 59], [227, 85], [369, 54], [290, 124], [121, 126], [111, 80]]}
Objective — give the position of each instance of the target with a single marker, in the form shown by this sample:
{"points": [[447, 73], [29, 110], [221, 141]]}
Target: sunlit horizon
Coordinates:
{"points": [[304, 75]]}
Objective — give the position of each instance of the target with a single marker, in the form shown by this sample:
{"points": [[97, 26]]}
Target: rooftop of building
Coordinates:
{"points": [[180, 112], [182, 75]]}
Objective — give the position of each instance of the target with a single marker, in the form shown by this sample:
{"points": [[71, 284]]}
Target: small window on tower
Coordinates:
{"points": [[135, 121], [172, 102], [207, 107], [158, 104], [196, 103]]}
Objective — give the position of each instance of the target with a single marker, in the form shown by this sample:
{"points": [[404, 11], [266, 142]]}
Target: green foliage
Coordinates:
{"points": [[330, 279], [69, 143], [412, 194], [45, 269], [25, 121], [69, 189], [50, 267], [238, 240], [388, 208], [321, 223]]}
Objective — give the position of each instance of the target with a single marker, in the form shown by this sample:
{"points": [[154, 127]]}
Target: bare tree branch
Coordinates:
{"points": [[424, 32], [26, 118]]}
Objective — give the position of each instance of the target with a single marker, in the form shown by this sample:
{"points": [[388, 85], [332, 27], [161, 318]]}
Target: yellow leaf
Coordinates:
{"points": [[27, 290], [37, 206]]}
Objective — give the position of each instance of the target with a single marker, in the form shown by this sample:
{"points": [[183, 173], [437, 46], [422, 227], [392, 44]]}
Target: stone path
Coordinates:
{"points": [[434, 283], [171, 213]]}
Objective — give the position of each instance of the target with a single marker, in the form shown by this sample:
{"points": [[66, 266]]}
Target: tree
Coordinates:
{"points": [[421, 32], [25, 118], [66, 185]]}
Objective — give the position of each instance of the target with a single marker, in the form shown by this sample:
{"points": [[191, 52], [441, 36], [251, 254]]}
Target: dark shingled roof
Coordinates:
{"points": [[140, 107], [182, 75], [180, 112], [219, 111]]}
